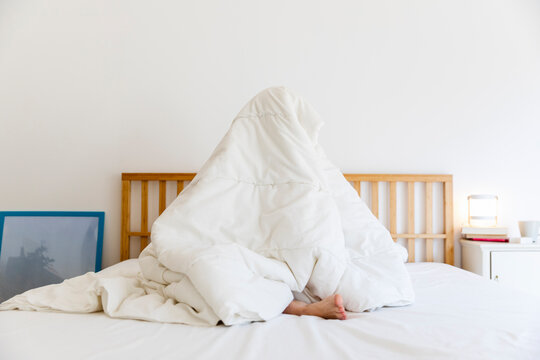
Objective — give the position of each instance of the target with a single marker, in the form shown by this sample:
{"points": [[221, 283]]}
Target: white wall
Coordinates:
{"points": [[90, 89]]}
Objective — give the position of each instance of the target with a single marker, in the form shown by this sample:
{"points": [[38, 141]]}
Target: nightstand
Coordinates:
{"points": [[510, 264]]}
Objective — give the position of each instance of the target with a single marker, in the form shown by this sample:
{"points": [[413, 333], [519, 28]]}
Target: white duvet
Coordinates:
{"points": [[266, 219]]}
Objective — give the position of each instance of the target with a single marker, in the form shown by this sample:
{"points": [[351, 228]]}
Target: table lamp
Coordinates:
{"points": [[483, 210]]}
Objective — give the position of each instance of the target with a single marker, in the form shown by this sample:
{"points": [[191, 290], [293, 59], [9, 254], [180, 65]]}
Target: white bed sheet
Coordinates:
{"points": [[457, 315]]}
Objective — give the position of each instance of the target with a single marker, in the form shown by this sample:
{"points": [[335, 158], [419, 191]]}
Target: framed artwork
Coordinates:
{"points": [[39, 248]]}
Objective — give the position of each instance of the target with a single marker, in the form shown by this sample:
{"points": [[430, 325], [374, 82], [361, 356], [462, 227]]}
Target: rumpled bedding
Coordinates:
{"points": [[267, 219]]}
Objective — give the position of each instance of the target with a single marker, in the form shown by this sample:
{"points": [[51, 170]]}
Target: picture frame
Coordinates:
{"points": [[39, 248]]}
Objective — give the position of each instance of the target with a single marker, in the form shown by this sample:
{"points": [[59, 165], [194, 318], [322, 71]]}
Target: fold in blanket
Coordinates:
{"points": [[266, 219]]}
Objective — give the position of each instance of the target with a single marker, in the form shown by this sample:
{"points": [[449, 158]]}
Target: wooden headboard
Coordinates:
{"points": [[385, 202]]}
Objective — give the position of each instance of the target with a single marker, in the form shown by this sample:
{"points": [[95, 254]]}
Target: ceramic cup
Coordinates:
{"points": [[529, 229]]}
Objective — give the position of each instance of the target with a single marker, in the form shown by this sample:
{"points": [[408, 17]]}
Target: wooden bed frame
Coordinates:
{"points": [[356, 181]]}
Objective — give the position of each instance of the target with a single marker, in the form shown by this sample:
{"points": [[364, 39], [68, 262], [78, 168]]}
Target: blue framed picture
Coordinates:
{"points": [[39, 248]]}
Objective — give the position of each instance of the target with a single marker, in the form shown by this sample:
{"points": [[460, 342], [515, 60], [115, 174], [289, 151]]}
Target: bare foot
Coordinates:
{"points": [[328, 308]]}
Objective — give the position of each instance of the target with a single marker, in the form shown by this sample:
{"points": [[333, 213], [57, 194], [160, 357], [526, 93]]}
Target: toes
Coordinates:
{"points": [[338, 300], [341, 315]]}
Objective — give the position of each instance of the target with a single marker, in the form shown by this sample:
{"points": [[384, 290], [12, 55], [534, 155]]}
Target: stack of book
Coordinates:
{"points": [[495, 233]]}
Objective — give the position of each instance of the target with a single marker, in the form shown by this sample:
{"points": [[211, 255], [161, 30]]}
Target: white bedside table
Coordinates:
{"points": [[510, 264]]}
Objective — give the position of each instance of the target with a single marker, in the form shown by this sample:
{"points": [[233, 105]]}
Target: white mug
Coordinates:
{"points": [[529, 229]]}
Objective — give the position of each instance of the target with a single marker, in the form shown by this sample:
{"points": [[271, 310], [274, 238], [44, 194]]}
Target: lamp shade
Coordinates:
{"points": [[483, 210]]}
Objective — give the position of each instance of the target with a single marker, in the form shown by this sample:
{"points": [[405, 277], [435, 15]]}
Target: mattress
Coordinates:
{"points": [[456, 314]]}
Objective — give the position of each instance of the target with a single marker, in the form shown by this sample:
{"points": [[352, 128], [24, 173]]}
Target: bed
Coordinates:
{"points": [[456, 314]]}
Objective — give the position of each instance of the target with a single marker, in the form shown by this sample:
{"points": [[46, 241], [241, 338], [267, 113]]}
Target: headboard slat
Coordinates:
{"points": [[419, 236], [376, 195], [375, 198], [144, 213], [358, 187], [429, 220], [139, 233], [162, 195], [410, 217], [393, 209], [448, 223], [179, 186], [126, 217]]}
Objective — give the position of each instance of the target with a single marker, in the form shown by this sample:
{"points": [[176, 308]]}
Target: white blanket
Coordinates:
{"points": [[456, 315], [268, 217]]}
